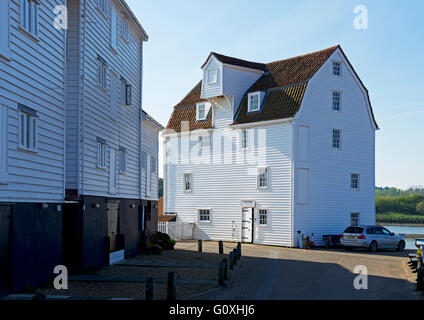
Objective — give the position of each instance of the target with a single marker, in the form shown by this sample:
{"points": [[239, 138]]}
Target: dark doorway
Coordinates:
{"points": [[71, 236], [113, 225], [5, 248]]}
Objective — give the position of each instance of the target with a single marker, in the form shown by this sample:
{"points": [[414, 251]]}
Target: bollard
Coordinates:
{"points": [[150, 291], [231, 259], [221, 247], [225, 262], [199, 245], [172, 287], [235, 256], [221, 276], [239, 250]]}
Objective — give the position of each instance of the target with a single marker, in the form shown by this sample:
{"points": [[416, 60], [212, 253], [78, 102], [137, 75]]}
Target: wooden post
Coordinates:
{"points": [[172, 287], [221, 277], [150, 290], [199, 245], [235, 256], [225, 263], [221, 247], [232, 260], [239, 250]]}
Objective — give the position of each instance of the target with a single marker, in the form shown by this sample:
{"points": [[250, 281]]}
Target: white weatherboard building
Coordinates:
{"points": [[257, 152]]}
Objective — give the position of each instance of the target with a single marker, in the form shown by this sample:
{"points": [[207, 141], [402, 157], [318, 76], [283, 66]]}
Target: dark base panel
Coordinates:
{"points": [[36, 244]]}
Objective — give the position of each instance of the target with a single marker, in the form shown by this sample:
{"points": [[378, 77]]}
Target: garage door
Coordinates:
{"points": [[5, 219]]}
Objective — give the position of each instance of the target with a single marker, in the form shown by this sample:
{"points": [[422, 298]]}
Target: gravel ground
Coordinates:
{"points": [[186, 251]]}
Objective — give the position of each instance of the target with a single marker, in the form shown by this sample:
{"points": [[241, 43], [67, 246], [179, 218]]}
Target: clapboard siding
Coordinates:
{"points": [[97, 116], [214, 89], [150, 145], [35, 76], [222, 185], [331, 200]]}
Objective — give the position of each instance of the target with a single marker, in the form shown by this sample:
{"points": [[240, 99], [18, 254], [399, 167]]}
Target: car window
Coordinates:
{"points": [[378, 231], [354, 230], [370, 230], [385, 231]]}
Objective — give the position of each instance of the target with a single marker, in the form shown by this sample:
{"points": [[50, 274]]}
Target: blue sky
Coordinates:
{"points": [[388, 56]]}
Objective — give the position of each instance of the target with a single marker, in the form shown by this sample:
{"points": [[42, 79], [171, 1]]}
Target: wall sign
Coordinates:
{"points": [[248, 203]]}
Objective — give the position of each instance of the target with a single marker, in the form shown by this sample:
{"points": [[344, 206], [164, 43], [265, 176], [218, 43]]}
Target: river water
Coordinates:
{"points": [[410, 242]]}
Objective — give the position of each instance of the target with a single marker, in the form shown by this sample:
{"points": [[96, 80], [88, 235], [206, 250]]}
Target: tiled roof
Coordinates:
{"points": [[237, 62], [279, 103], [186, 111], [284, 83]]}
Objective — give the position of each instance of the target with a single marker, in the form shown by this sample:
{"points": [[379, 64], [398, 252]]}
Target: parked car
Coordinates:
{"points": [[372, 238]]}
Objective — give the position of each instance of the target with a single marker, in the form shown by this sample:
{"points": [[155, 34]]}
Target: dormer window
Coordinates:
{"points": [[201, 111], [253, 101], [212, 76]]}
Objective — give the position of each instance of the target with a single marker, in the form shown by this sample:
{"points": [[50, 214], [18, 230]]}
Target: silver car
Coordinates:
{"points": [[372, 238]]}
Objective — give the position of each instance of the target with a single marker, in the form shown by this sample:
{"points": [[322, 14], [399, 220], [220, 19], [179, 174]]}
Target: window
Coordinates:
{"points": [[28, 129], [337, 68], [204, 215], [152, 171], [124, 30], [4, 28], [354, 219], [212, 76], [253, 102], [244, 139], [336, 100], [187, 182], [122, 160], [128, 94], [29, 16], [101, 4], [336, 138], [201, 111], [354, 181], [101, 72], [205, 141], [101, 153], [262, 178], [263, 217]]}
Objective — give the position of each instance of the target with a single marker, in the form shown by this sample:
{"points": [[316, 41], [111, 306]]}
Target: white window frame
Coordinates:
{"points": [[29, 16], [335, 67], [101, 73], [124, 29], [249, 105], [355, 181], [244, 139], [214, 73], [188, 183], [355, 216], [336, 143], [101, 154], [5, 29], [199, 215], [260, 224], [102, 6], [260, 179], [337, 100], [198, 105], [28, 132]]}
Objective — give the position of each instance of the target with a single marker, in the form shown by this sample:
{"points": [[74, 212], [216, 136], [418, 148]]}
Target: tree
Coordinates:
{"points": [[420, 207], [160, 187]]}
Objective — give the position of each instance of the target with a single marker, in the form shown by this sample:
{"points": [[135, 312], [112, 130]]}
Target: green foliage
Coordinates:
{"points": [[393, 192], [160, 187], [163, 240], [420, 207], [390, 200]]}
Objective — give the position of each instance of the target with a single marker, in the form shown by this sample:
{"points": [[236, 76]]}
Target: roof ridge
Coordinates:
{"points": [[306, 54]]}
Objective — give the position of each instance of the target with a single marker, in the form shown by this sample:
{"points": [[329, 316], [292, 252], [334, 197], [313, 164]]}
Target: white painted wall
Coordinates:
{"points": [[330, 198], [34, 75], [100, 116], [212, 89], [150, 145], [221, 186]]}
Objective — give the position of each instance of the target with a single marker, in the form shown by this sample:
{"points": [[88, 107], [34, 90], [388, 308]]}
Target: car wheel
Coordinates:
{"points": [[373, 246], [401, 246]]}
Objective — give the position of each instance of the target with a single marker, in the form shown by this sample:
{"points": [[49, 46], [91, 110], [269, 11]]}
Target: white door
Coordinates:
{"points": [[112, 171], [247, 225]]}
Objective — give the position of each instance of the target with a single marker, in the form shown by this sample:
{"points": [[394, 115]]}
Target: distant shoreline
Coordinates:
{"points": [[400, 224]]}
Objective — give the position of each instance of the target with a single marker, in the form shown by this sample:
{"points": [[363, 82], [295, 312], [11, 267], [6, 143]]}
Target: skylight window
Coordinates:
{"points": [[253, 102]]}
